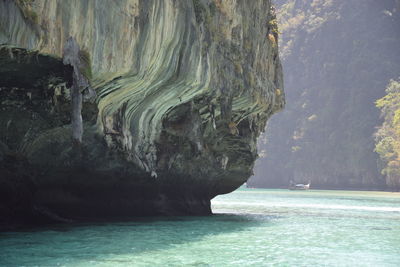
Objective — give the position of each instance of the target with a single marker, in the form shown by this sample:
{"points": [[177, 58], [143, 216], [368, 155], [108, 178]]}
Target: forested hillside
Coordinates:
{"points": [[338, 57]]}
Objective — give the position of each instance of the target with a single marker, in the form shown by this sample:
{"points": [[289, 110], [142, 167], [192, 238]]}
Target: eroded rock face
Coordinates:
{"points": [[183, 90]]}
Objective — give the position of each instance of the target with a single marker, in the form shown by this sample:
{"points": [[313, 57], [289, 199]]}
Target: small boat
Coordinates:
{"points": [[293, 186]]}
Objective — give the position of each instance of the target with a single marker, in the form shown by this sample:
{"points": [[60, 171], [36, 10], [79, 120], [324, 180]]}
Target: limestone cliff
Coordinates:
{"points": [[182, 91]]}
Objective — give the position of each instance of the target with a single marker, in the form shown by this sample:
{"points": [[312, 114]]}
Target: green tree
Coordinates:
{"points": [[388, 135]]}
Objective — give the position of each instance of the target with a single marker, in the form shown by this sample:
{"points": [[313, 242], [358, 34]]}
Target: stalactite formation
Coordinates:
{"points": [[182, 91]]}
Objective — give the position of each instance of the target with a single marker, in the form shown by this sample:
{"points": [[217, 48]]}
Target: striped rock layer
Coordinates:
{"points": [[183, 88]]}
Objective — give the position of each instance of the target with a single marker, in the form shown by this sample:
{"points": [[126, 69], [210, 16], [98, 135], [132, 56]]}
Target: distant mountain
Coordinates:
{"points": [[338, 57]]}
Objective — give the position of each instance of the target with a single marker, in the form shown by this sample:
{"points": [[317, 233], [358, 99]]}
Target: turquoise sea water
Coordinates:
{"points": [[251, 227]]}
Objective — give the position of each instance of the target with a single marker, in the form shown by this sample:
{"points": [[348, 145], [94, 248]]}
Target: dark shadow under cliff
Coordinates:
{"points": [[45, 178]]}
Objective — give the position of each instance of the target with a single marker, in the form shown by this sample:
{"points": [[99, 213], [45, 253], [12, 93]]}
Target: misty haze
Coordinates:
{"points": [[200, 133]]}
